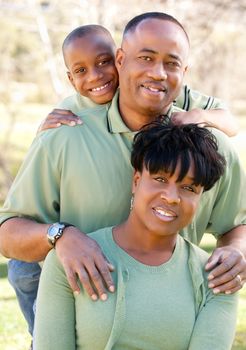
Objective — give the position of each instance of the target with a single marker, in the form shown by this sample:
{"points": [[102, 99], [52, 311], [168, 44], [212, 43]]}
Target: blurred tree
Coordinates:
{"points": [[32, 32]]}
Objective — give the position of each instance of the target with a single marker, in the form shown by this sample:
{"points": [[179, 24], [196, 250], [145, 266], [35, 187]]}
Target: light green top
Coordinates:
{"points": [[165, 307], [82, 175]]}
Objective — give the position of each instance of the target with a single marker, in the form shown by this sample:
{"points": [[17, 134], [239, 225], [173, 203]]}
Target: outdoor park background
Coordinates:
{"points": [[33, 80]]}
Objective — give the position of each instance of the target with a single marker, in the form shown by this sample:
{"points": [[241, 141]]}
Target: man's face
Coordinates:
{"points": [[151, 66], [92, 71]]}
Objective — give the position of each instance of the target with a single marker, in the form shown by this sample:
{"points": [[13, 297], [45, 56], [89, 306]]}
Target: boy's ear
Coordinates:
{"points": [[70, 77], [119, 58]]}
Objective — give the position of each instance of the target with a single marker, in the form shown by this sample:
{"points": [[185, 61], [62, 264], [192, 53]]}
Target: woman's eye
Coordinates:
{"points": [[189, 188], [160, 179]]}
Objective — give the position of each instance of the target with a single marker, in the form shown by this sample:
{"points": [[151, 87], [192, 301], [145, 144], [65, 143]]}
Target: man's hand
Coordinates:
{"points": [[59, 117], [228, 270], [82, 258]]}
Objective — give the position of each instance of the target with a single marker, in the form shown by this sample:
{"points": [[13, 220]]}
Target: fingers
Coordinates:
{"points": [[84, 261], [59, 117], [228, 270]]}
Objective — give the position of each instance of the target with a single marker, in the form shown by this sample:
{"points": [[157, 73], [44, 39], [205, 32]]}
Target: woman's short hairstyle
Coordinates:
{"points": [[161, 145]]}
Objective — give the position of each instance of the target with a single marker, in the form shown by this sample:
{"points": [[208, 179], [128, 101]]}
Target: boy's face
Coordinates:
{"points": [[92, 72]]}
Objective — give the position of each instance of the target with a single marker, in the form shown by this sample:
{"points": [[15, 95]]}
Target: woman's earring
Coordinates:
{"points": [[132, 201]]}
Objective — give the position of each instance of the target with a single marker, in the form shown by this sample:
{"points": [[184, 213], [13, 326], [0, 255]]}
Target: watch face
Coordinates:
{"points": [[54, 232]]}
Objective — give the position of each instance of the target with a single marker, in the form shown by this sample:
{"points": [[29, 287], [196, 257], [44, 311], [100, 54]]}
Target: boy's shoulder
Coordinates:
{"points": [[78, 104]]}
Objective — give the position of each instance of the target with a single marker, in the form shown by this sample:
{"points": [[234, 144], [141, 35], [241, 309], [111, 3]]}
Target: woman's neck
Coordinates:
{"points": [[144, 246]]}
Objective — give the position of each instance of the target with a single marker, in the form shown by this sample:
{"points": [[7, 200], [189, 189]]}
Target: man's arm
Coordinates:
{"points": [[228, 262], [80, 255], [220, 119]]}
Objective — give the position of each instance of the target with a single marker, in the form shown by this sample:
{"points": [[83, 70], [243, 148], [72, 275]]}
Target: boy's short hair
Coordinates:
{"points": [[160, 145], [82, 31]]}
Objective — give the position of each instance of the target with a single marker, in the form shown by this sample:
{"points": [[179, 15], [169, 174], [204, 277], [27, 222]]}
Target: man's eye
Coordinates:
{"points": [[173, 64], [145, 58]]}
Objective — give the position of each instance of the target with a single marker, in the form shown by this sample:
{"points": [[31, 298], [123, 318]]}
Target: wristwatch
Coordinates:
{"points": [[55, 231]]}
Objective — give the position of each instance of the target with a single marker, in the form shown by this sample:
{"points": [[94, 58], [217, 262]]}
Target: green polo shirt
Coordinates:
{"points": [[82, 175]]}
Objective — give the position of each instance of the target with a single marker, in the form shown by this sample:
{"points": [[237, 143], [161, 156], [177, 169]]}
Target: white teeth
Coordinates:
{"points": [[163, 212], [153, 89], [100, 87]]}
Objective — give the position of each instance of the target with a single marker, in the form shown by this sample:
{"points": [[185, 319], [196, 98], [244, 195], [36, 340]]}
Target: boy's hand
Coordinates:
{"points": [[228, 270], [83, 259], [59, 117], [193, 116]]}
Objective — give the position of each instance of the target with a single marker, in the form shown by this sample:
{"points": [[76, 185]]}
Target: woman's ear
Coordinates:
{"points": [[135, 181]]}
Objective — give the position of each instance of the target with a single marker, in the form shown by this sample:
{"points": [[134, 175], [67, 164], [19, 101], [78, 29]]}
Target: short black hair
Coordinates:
{"points": [[160, 145], [133, 23], [82, 31]]}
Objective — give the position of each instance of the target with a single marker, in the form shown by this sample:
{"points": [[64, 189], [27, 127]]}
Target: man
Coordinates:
{"points": [[82, 176]]}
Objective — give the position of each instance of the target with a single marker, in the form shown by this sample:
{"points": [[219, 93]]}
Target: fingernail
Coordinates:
{"points": [[79, 121], [103, 297], [58, 124], [210, 277], [76, 293], [94, 297], [72, 123], [216, 291], [227, 292], [210, 285], [111, 289]]}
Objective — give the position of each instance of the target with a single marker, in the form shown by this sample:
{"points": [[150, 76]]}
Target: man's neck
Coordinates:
{"points": [[135, 120]]}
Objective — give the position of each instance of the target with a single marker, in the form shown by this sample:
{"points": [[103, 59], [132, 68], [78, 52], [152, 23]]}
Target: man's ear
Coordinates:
{"points": [[119, 58], [135, 180], [69, 75], [186, 69]]}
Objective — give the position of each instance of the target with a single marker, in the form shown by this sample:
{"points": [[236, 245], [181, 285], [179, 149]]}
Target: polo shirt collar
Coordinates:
{"points": [[115, 122]]}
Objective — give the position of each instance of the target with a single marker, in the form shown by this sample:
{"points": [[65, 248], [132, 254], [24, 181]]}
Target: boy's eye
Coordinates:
{"points": [[80, 70], [103, 63]]}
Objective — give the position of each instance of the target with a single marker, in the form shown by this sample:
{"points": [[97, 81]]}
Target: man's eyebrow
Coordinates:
{"points": [[145, 49], [171, 55]]}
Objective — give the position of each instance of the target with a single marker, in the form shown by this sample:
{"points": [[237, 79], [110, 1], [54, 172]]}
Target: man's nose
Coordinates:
{"points": [[158, 72]]}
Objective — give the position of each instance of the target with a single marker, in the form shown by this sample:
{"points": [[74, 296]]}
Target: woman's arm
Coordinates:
{"points": [[55, 313], [216, 323]]}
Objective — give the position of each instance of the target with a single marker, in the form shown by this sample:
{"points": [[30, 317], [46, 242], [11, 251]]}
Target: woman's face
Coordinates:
{"points": [[162, 204]]}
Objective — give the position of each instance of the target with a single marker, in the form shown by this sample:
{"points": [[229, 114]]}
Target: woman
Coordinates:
{"points": [[162, 299]]}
